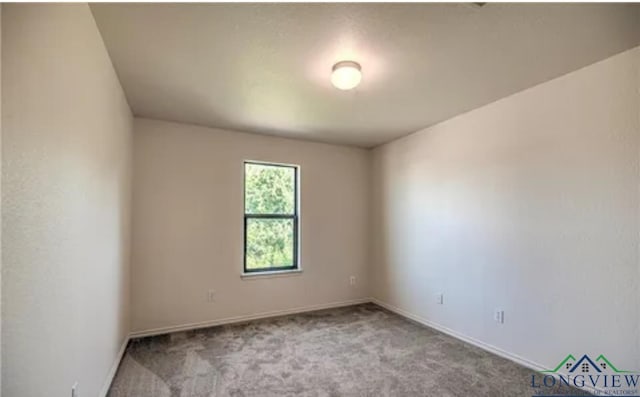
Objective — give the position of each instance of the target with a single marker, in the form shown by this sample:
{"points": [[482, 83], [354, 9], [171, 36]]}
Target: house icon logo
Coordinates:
{"points": [[585, 365]]}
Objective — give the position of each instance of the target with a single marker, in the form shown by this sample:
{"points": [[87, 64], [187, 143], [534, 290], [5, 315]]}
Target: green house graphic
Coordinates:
{"points": [[606, 364], [567, 364]]}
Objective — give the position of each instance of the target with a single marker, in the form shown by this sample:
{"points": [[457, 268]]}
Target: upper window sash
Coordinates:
{"points": [[270, 200]]}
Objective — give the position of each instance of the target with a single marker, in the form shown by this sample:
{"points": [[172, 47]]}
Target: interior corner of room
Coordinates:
{"points": [[318, 199]]}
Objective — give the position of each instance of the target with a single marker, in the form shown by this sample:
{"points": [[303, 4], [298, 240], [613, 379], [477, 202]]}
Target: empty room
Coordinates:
{"points": [[320, 199]]}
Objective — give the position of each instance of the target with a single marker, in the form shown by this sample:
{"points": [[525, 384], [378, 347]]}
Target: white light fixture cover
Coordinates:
{"points": [[346, 75]]}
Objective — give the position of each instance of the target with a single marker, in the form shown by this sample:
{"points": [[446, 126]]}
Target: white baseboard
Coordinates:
{"points": [[205, 324], [239, 319], [484, 346], [114, 368], [475, 342], [231, 320]]}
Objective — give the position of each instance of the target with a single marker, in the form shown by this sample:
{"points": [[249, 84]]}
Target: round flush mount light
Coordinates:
{"points": [[346, 75]]}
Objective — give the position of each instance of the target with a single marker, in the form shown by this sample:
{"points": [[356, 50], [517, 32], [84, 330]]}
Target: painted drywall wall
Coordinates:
{"points": [[0, 200], [65, 198], [530, 205], [188, 225]]}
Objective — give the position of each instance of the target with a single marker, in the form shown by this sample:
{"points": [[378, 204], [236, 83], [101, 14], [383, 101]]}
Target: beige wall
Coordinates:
{"points": [[65, 199], [0, 200], [188, 225], [0, 203], [529, 204]]}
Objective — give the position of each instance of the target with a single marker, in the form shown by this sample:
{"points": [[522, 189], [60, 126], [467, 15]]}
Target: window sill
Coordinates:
{"points": [[271, 274]]}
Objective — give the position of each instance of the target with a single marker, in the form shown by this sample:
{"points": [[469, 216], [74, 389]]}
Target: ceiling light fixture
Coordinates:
{"points": [[346, 75]]}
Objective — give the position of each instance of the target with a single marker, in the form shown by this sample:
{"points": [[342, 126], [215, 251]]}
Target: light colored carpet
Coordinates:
{"points": [[360, 350]]}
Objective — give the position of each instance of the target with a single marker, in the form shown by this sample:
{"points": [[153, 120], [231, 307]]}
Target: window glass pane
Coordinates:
{"points": [[269, 243], [269, 189]]}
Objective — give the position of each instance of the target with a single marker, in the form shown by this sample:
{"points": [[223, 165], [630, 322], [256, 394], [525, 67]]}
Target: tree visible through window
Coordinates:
{"points": [[270, 217]]}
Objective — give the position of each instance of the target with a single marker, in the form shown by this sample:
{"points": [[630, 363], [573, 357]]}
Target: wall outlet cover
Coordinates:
{"points": [[498, 316]]}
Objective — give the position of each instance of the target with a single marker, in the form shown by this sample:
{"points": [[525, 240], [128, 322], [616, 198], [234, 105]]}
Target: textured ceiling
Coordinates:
{"points": [[265, 68]]}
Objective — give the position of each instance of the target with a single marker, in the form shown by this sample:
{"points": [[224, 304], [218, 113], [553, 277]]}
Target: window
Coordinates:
{"points": [[270, 217]]}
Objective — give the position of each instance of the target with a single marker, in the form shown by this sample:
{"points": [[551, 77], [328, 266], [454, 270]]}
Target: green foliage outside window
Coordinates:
{"points": [[269, 191]]}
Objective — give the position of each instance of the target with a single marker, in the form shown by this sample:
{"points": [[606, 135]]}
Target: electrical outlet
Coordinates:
{"points": [[352, 280], [211, 295], [440, 298], [498, 316], [74, 390]]}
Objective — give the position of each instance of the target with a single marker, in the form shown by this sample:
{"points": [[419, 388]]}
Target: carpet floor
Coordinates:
{"points": [[361, 350]]}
